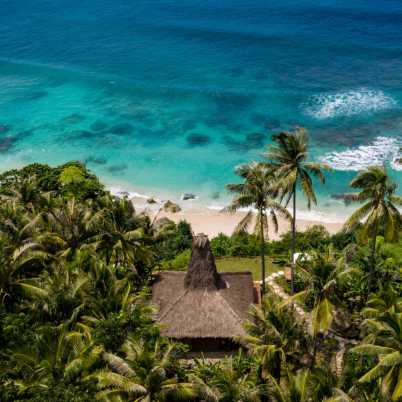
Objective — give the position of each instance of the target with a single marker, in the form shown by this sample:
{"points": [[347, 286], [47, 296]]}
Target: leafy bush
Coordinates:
{"points": [[72, 179], [240, 245]]}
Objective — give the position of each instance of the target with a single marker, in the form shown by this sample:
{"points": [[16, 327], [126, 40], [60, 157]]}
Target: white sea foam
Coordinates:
{"points": [[381, 150], [347, 103]]}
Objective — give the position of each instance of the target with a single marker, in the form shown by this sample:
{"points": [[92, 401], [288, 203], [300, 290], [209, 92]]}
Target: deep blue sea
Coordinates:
{"points": [[168, 96]]}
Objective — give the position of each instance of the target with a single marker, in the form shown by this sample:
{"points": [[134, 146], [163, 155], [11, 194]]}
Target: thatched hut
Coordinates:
{"points": [[202, 307]]}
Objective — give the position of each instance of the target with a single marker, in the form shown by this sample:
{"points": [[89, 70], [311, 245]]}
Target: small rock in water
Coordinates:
{"points": [[198, 140], [216, 195], [188, 196], [4, 128], [170, 206], [151, 201]]}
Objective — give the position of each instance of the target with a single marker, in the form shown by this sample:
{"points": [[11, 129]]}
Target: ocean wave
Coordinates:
{"points": [[348, 103], [380, 151]]}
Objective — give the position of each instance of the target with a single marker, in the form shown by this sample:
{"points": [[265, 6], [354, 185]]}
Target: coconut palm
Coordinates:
{"points": [[322, 273], [143, 375], [256, 192], [274, 337], [71, 226], [384, 341], [304, 386], [288, 156], [379, 210], [57, 354], [227, 380], [121, 234]]}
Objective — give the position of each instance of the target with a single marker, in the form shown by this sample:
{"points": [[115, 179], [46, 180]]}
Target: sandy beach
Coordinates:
{"points": [[212, 222]]}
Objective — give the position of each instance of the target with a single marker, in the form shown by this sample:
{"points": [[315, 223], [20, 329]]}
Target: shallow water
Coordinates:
{"points": [[167, 96]]}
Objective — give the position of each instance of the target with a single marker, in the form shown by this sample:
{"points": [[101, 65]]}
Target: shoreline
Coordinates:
{"points": [[212, 221]]}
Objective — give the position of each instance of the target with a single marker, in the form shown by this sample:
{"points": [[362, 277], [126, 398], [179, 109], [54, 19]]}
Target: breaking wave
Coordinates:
{"points": [[381, 150], [348, 103]]}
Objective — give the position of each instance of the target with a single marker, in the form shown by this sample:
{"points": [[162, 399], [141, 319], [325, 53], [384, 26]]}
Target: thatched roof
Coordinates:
{"points": [[202, 303]]}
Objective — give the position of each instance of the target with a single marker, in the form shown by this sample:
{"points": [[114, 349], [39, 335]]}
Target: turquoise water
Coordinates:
{"points": [[165, 97]]}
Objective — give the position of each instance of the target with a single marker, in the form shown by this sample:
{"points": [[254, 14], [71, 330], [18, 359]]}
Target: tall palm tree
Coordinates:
{"points": [[288, 156], [256, 192], [379, 210]]}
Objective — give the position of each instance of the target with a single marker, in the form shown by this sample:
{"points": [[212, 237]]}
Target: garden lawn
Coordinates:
{"points": [[238, 264]]}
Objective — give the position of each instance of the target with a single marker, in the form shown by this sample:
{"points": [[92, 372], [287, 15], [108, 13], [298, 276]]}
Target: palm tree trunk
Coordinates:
{"points": [[373, 260], [262, 251], [292, 273]]}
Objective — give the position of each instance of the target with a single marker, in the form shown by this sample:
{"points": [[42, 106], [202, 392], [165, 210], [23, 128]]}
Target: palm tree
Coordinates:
{"points": [[384, 341], [121, 235], [379, 211], [144, 374], [304, 386], [322, 273], [256, 191], [274, 337], [58, 354], [227, 380], [288, 157], [71, 226]]}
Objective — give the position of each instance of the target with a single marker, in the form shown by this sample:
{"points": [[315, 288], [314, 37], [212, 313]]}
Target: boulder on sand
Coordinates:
{"points": [[170, 206]]}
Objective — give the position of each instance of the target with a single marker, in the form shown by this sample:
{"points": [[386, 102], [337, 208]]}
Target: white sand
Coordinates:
{"points": [[213, 222]]}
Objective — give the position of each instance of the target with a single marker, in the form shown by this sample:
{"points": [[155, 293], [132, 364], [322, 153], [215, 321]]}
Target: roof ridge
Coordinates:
{"points": [[173, 304], [230, 308]]}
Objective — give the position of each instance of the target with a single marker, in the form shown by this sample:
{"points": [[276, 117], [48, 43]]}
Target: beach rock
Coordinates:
{"points": [[347, 198], [163, 223], [151, 201], [398, 161], [198, 140], [188, 196], [171, 207]]}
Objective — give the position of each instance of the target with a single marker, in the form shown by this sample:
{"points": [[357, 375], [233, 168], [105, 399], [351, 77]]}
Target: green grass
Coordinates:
{"points": [[238, 264]]}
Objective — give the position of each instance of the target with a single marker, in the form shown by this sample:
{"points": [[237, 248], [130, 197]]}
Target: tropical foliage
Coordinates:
{"points": [[76, 265]]}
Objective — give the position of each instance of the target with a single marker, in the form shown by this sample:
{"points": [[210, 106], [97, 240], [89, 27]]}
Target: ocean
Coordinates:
{"points": [[163, 97]]}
